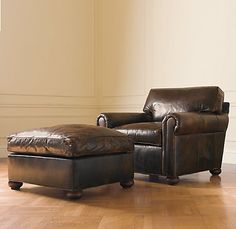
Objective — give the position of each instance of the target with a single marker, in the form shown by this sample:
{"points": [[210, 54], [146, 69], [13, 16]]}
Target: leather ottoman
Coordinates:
{"points": [[70, 157]]}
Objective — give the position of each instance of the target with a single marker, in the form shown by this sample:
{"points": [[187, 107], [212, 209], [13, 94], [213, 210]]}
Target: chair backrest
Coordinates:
{"points": [[161, 102]]}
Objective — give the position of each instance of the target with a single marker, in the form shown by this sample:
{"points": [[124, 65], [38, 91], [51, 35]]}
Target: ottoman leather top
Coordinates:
{"points": [[72, 140]]}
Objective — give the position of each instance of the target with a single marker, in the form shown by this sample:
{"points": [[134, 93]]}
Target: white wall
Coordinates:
{"points": [[0, 15], [166, 43], [46, 64], [122, 54], [64, 61]]}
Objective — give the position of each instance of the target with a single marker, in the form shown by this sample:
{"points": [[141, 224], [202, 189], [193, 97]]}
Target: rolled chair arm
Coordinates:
{"points": [[192, 123], [112, 120]]}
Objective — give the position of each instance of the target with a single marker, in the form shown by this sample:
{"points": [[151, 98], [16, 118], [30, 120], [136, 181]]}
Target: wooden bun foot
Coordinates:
{"points": [[215, 171], [127, 184], [14, 185], [172, 180], [74, 194]]}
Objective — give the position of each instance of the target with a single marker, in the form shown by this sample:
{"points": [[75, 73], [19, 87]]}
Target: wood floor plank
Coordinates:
{"points": [[198, 201]]}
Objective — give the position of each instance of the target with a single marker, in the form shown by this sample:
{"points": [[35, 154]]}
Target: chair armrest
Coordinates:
{"points": [[112, 120], [192, 122]]}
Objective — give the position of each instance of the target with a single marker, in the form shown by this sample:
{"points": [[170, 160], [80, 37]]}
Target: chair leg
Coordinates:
{"points": [[127, 184], [172, 180], [74, 194], [215, 171], [15, 185]]}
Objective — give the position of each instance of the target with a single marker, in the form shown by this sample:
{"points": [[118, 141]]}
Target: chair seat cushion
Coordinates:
{"points": [[70, 141], [143, 133]]}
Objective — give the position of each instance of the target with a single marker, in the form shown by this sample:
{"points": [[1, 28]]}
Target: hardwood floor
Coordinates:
{"points": [[198, 201]]}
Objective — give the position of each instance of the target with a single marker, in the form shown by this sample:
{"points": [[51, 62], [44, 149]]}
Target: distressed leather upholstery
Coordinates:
{"points": [[143, 132], [180, 131], [70, 157], [71, 141]]}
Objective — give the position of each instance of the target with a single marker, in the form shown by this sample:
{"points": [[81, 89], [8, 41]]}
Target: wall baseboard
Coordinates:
{"points": [[229, 157], [3, 153]]}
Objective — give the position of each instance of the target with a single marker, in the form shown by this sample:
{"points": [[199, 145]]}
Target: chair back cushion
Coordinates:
{"points": [[161, 102]]}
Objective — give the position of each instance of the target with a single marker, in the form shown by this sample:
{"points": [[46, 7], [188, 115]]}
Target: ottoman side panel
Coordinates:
{"points": [[103, 169], [47, 171]]}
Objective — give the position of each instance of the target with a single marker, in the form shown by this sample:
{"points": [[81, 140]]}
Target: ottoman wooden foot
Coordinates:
{"points": [[127, 184], [14, 185], [74, 194]]}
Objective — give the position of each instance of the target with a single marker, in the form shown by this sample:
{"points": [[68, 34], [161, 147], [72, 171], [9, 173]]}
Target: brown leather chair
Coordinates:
{"points": [[181, 131]]}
